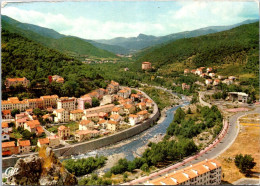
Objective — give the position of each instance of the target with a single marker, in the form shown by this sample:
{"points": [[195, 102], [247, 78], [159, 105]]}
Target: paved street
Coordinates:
{"points": [[226, 142]]}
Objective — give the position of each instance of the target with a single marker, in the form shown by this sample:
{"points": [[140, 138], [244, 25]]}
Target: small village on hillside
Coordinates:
{"points": [[55, 122]]}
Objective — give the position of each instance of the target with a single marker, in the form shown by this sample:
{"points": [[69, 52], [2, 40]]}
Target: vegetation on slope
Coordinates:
{"points": [[71, 45], [22, 57], [228, 46]]}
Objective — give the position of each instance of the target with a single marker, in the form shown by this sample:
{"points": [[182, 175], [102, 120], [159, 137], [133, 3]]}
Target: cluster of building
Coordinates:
{"points": [[25, 82], [210, 77], [207, 172], [118, 106]]}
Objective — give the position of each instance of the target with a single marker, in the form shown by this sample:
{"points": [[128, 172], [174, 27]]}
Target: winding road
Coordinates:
{"points": [[225, 143]]}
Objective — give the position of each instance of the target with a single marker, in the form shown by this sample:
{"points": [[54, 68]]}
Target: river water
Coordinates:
{"points": [[137, 141]]}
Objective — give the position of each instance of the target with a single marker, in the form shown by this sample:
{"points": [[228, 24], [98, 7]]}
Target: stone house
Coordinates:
{"points": [[24, 146], [76, 115], [63, 132]]}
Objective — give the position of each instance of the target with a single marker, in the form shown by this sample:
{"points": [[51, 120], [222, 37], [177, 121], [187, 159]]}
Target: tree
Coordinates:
{"points": [[14, 112], [87, 105], [95, 102], [179, 115], [37, 112], [244, 163]]}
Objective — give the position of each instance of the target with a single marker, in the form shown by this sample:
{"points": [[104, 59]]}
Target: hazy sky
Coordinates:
{"points": [[105, 20]]}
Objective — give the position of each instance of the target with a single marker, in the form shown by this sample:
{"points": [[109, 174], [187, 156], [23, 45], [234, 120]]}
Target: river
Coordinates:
{"points": [[137, 141]]}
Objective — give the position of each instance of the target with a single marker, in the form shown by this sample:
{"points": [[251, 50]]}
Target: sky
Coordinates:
{"points": [[106, 20]]}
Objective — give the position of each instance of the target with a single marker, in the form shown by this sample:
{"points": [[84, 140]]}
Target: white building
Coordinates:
{"points": [[62, 116], [67, 103], [207, 172]]}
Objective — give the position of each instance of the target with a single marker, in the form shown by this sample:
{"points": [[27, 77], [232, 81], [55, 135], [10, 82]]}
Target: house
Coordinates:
{"points": [[86, 125], [103, 123], [129, 108], [76, 115], [83, 100], [54, 141], [5, 127], [107, 99], [102, 115], [237, 96], [208, 81], [143, 115], [117, 110], [32, 125], [216, 82], [232, 78], [228, 81], [5, 136], [82, 135], [149, 103], [203, 75], [39, 130], [112, 125], [133, 119], [49, 101], [141, 105], [193, 71], [62, 116], [9, 148], [16, 81], [63, 132], [186, 71], [209, 69], [56, 78], [146, 65], [104, 108], [24, 146], [115, 117], [20, 122], [67, 103], [47, 117], [113, 87], [35, 103], [212, 75], [184, 86], [134, 97], [93, 117], [123, 93], [198, 71], [43, 142], [94, 94], [221, 77], [6, 114], [207, 172]]}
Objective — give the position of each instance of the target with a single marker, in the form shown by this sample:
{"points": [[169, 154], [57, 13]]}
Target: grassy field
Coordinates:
{"points": [[248, 133]]}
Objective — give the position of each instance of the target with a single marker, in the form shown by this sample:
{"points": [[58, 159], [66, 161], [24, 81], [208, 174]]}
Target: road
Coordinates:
{"points": [[226, 142]]}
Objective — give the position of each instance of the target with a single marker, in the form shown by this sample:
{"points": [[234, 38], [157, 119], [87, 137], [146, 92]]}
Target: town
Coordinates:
{"points": [[55, 122]]}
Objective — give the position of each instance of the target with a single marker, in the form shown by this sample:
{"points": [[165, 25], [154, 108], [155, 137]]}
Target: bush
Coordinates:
{"points": [[245, 163]]}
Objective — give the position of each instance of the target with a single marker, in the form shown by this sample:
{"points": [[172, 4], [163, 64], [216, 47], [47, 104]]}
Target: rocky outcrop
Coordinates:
{"points": [[44, 169]]}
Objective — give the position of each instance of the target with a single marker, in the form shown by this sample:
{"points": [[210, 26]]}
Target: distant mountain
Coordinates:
{"points": [[143, 41], [240, 45], [63, 43]]}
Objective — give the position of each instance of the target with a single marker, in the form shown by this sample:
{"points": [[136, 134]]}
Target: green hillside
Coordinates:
{"points": [[235, 45], [22, 57], [71, 45]]}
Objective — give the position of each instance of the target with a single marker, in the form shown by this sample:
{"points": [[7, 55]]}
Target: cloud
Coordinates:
{"points": [[191, 15]]}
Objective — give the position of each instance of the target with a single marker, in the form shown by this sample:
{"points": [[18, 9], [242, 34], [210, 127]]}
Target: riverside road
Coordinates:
{"points": [[226, 142]]}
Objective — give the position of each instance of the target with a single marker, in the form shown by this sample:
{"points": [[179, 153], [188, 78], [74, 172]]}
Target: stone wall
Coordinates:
{"points": [[86, 146]]}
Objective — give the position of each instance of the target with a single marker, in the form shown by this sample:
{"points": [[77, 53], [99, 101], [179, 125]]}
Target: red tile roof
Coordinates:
{"points": [[4, 125], [8, 144], [44, 141], [24, 143]]}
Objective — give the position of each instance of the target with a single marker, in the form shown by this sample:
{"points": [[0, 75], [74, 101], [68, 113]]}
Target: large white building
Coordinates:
{"points": [[67, 103], [207, 172]]}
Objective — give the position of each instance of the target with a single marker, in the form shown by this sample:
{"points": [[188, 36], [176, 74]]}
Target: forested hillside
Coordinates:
{"points": [[22, 57], [71, 45], [240, 44]]}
